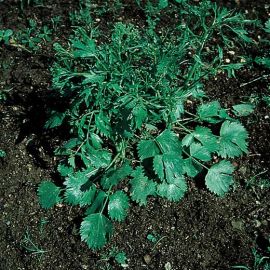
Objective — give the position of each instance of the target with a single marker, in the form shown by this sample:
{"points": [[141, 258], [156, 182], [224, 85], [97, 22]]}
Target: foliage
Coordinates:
{"points": [[2, 153], [133, 132], [5, 35]]}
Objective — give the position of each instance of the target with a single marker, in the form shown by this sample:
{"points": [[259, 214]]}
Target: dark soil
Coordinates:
{"points": [[200, 232]]}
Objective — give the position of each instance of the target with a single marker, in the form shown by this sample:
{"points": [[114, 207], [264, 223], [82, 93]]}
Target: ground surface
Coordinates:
{"points": [[200, 232]]}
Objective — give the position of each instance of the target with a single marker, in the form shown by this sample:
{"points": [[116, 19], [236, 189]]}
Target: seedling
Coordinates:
{"points": [[30, 246], [2, 153]]}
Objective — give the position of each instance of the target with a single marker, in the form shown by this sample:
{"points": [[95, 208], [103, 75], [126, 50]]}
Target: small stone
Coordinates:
{"points": [[147, 258], [168, 266], [257, 223], [227, 60], [266, 117], [97, 20], [231, 52]]}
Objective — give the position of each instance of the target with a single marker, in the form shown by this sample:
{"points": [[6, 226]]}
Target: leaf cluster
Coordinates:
{"points": [[133, 132]]}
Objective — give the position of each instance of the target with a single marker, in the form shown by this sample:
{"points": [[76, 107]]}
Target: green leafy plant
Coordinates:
{"points": [[133, 131], [5, 35], [261, 262], [2, 153], [114, 254]]}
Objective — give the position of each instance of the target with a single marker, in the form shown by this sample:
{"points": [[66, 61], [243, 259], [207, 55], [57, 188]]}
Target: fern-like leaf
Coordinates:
{"points": [[219, 177], [48, 194], [95, 230], [233, 140], [118, 206], [141, 187], [173, 191]]}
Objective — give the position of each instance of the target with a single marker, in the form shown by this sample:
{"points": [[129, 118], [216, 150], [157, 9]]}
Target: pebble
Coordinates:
{"points": [[147, 258]]}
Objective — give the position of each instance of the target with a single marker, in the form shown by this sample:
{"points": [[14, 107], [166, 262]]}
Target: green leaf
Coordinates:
{"points": [[2, 154], [267, 26], [163, 4], [118, 206], [169, 142], [200, 152], [74, 183], [191, 168], [141, 187], [114, 176], [219, 177], [173, 191], [212, 112], [168, 166], [205, 136], [64, 170], [244, 109], [147, 149], [140, 113], [48, 194], [84, 50], [55, 120], [232, 140], [95, 229]]}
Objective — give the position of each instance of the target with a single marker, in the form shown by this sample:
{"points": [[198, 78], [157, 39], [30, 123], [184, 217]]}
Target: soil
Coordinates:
{"points": [[201, 232]]}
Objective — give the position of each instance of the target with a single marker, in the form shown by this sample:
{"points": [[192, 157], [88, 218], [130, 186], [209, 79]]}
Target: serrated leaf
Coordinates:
{"points": [[64, 170], [209, 112], [74, 183], [99, 158], [267, 26], [147, 149], [88, 196], [168, 166], [118, 206], [163, 4], [103, 124], [168, 142], [84, 50], [191, 168], [219, 177], [205, 136], [95, 229], [48, 194], [114, 176], [141, 187], [212, 112], [55, 120], [173, 191], [139, 113], [98, 203], [187, 140], [200, 152], [233, 140], [244, 109]]}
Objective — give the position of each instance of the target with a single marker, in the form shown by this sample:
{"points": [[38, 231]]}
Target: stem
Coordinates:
{"points": [[255, 80], [197, 161]]}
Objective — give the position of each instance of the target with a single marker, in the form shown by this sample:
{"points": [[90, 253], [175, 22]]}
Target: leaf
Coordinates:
{"points": [[118, 206], [55, 120], [48, 194], [2, 153], [140, 113], [74, 183], [141, 187], [267, 26], [173, 191], [200, 152], [244, 109], [103, 124], [95, 230], [163, 4], [147, 149], [64, 170], [114, 176], [99, 158], [212, 112], [168, 167], [205, 136], [84, 50], [169, 142], [190, 167], [219, 177], [232, 140]]}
